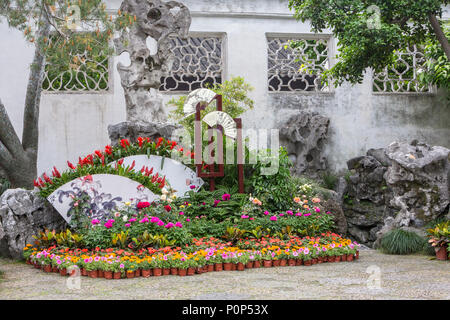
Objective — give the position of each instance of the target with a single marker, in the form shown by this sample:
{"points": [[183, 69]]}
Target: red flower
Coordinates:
{"points": [[168, 208], [120, 162], [160, 140], [56, 173], [71, 166], [124, 143], [142, 205], [140, 141], [108, 149], [99, 153], [47, 179], [36, 184], [132, 166]]}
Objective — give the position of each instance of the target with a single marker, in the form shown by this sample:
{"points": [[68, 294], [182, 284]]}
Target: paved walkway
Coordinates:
{"points": [[401, 277]]}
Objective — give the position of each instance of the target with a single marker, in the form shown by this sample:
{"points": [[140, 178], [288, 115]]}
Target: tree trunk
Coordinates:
{"points": [[440, 35], [18, 160]]}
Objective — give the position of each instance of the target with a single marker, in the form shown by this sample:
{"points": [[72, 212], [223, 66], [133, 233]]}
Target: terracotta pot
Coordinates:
{"points": [[283, 262], [166, 271], [174, 271], [267, 263], [291, 262], [146, 273], [441, 253], [227, 266], [307, 262], [182, 272], [199, 270], [47, 268], [337, 258], [314, 261], [357, 255], [240, 266], [108, 274], [249, 265], [55, 269], [157, 272], [83, 272], [319, 259], [218, 267], [257, 264], [331, 259], [233, 266], [138, 273], [63, 272], [28, 261], [190, 271], [93, 274], [37, 266], [117, 275], [276, 263], [101, 273], [130, 275], [298, 262], [344, 258], [349, 257], [210, 267], [205, 269]]}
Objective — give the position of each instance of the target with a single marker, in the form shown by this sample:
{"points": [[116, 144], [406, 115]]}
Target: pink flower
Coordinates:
{"points": [[252, 219], [289, 212], [144, 220], [122, 266], [226, 197], [266, 212], [132, 220], [244, 216], [108, 225], [154, 220], [192, 187], [178, 224], [142, 205], [95, 221], [306, 251], [273, 218], [160, 223], [307, 214], [169, 225], [281, 214], [317, 209], [181, 213], [127, 224], [187, 219], [299, 214]]}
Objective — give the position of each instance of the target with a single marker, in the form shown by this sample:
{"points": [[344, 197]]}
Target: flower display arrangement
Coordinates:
{"points": [[440, 240]]}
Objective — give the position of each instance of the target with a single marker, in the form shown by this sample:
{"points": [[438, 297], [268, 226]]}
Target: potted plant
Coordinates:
{"points": [[439, 239], [242, 260], [156, 266], [108, 269], [306, 256], [146, 268], [92, 269]]}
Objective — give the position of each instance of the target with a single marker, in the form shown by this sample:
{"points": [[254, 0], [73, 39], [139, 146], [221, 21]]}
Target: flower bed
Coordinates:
{"points": [[203, 255]]}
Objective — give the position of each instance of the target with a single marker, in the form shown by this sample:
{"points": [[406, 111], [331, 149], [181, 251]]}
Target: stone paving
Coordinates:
{"points": [[401, 277]]}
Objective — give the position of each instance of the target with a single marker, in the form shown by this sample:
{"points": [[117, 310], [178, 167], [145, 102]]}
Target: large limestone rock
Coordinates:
{"points": [[140, 80], [304, 136], [23, 213], [401, 186], [133, 130]]}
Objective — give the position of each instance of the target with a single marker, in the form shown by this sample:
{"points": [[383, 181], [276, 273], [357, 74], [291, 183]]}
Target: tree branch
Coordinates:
{"points": [[8, 135], [440, 35], [30, 135]]}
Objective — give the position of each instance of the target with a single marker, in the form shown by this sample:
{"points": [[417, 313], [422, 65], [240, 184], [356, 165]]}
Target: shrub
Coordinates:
{"points": [[400, 241], [329, 180]]}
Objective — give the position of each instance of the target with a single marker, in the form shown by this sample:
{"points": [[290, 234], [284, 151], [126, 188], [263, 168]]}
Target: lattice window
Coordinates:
{"points": [[84, 73], [402, 76], [299, 68], [197, 62]]}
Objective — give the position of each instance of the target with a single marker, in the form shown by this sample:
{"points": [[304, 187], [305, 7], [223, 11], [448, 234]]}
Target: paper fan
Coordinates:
{"points": [[224, 119], [195, 97]]}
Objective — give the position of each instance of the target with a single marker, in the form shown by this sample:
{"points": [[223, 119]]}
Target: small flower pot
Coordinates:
{"points": [[63, 272], [47, 268], [240, 266], [157, 272], [182, 272], [349, 257], [331, 259], [337, 258], [93, 274], [55, 270], [146, 273], [108, 275], [307, 262], [130, 275], [84, 272], [166, 271], [299, 262], [174, 271], [117, 275], [441, 253], [199, 270], [257, 264], [205, 269], [249, 265], [291, 262], [357, 255], [190, 271], [28, 262], [267, 263], [210, 267], [283, 263], [343, 258], [37, 266], [227, 266], [218, 267], [101, 273], [314, 261], [276, 263]]}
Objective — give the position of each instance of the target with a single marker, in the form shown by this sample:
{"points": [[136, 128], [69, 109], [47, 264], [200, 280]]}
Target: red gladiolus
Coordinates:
{"points": [[108, 149], [41, 183], [140, 141], [99, 153], [36, 184], [124, 143], [46, 178], [160, 140], [174, 143], [132, 166], [56, 173], [143, 169], [120, 162], [71, 166]]}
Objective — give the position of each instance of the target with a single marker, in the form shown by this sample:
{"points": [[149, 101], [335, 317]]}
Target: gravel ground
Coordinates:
{"points": [[401, 277]]}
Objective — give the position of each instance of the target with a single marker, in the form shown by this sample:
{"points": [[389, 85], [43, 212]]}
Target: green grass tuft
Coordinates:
{"points": [[400, 241]]}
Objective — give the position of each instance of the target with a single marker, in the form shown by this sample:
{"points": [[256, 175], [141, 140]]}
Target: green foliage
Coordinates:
{"points": [[4, 185], [329, 180], [276, 190], [401, 24], [400, 241], [235, 101]]}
